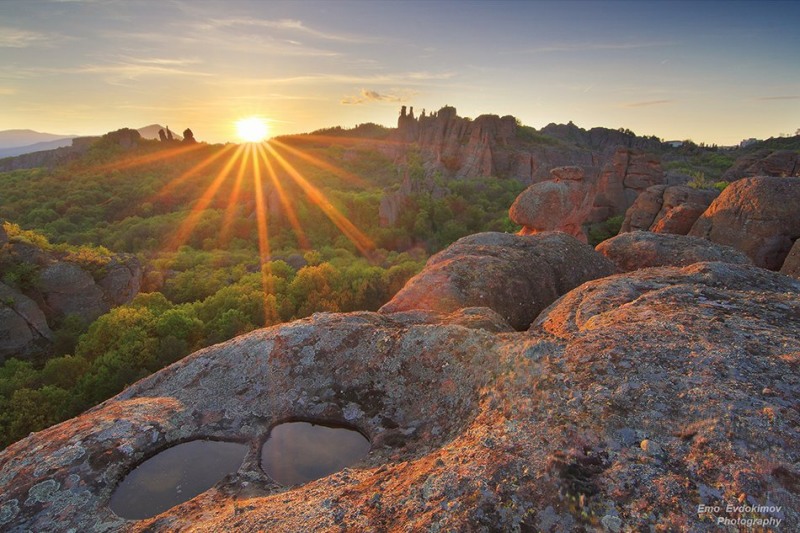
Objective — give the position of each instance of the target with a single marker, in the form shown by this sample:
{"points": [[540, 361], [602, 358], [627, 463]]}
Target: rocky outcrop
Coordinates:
{"points": [[791, 266], [765, 162], [667, 209], [632, 400], [757, 216], [58, 286], [571, 200], [490, 145], [23, 328], [626, 175], [515, 276], [643, 249]]}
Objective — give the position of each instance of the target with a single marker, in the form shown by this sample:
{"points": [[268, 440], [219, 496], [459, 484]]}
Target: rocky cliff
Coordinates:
{"points": [[629, 401]]}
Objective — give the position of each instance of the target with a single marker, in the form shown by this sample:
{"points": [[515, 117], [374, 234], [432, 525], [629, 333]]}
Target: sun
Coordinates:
{"points": [[252, 129]]}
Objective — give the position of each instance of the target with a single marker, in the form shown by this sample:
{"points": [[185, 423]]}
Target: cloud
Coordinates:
{"points": [[290, 25], [584, 47], [367, 95], [19, 38], [770, 98], [647, 103]]}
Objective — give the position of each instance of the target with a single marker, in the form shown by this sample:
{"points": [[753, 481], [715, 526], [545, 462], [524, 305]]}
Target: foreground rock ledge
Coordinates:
{"points": [[630, 401]]}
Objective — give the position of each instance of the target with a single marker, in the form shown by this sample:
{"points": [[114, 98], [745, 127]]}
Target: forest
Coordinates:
{"points": [[229, 241]]}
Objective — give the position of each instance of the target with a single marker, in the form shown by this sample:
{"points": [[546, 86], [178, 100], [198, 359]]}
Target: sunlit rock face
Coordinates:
{"points": [[644, 249], [629, 401], [758, 216], [516, 276]]}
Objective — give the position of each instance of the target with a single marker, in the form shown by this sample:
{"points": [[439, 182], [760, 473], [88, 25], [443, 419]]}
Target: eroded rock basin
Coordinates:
{"points": [[299, 452], [174, 476]]}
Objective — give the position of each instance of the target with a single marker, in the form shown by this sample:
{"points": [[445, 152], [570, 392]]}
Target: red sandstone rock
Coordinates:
{"points": [[516, 276], [667, 209], [643, 249], [758, 216]]}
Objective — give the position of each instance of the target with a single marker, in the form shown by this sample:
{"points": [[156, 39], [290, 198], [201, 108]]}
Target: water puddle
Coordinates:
{"points": [[299, 452], [174, 476]]}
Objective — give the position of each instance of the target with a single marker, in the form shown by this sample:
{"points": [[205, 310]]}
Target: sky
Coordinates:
{"points": [[715, 72]]}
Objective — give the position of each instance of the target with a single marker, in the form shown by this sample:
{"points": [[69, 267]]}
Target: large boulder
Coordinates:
{"points": [[560, 204], [667, 209], [631, 401], [765, 162], [758, 216], [67, 289], [23, 327], [643, 249], [516, 276]]}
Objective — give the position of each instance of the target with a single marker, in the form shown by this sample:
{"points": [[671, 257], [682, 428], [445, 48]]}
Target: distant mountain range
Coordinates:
{"points": [[19, 142]]}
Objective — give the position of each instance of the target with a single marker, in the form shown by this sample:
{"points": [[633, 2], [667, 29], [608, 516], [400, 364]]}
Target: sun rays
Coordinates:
{"points": [[254, 178]]}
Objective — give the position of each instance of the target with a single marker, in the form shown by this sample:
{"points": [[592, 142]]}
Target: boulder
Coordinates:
{"points": [[632, 400], [516, 276], [23, 327], [643, 249], [758, 216], [791, 266], [561, 204], [765, 162], [67, 289], [667, 209]]}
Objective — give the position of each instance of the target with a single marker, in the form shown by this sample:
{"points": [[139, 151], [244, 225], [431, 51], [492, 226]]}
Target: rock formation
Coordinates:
{"points": [[560, 204], [765, 162], [515, 276], [643, 249], [570, 200], [631, 400], [188, 136], [23, 328], [60, 287], [667, 209], [758, 216]]}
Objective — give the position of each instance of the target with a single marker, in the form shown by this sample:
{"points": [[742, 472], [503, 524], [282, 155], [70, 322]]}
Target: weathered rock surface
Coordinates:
{"points": [[632, 399], [23, 327], [791, 265], [766, 162], [758, 216], [561, 204], [667, 209], [643, 249], [516, 276], [627, 174]]}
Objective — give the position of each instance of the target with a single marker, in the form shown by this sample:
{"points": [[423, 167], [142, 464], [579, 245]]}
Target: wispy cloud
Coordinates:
{"points": [[770, 98], [19, 38], [289, 25], [401, 78], [586, 47], [368, 95], [647, 103]]}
